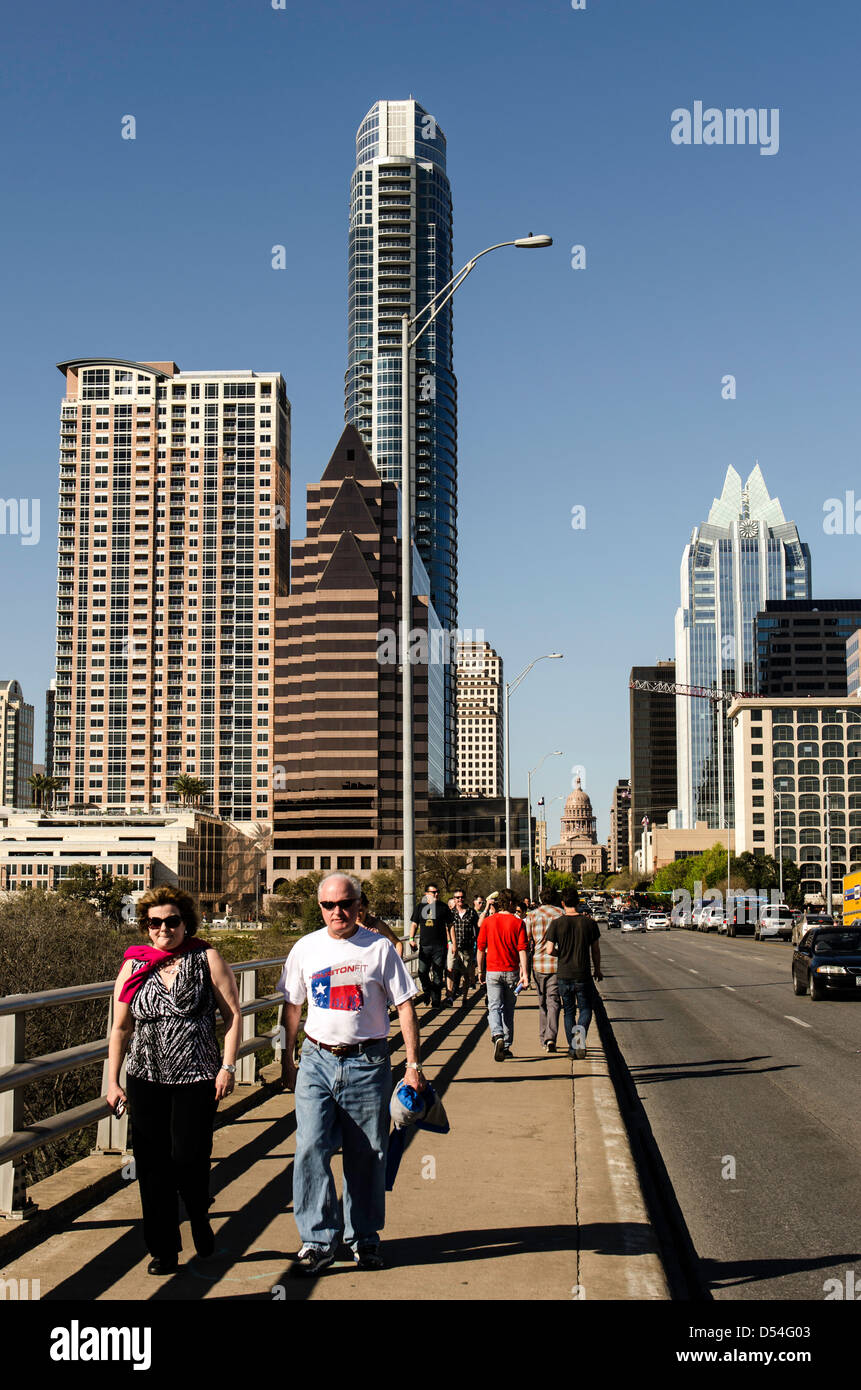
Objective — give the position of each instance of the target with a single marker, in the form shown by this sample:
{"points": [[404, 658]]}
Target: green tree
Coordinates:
{"points": [[311, 916], [385, 891], [88, 884]]}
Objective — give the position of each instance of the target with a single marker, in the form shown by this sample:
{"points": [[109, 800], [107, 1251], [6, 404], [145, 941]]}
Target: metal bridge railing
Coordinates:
{"points": [[17, 1071]]}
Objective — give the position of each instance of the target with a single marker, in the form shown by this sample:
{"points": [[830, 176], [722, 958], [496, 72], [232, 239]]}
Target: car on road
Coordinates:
{"points": [[657, 921], [827, 960], [709, 916], [774, 921], [614, 920], [807, 920], [633, 922]]}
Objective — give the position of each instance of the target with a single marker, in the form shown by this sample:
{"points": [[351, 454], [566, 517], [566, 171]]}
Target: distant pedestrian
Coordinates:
{"points": [[544, 968], [429, 929], [575, 938], [502, 945], [463, 940], [372, 923]]}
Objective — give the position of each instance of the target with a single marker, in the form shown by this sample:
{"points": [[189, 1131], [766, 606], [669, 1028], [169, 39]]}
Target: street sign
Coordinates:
{"points": [[852, 899]]}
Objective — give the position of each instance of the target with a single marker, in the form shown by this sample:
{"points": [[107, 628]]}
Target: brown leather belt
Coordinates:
{"points": [[345, 1050]]}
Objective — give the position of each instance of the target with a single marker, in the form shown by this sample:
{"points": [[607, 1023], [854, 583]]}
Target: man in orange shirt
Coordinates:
{"points": [[502, 946]]}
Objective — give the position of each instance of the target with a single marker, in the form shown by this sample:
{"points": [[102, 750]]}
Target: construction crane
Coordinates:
{"points": [[703, 692]]}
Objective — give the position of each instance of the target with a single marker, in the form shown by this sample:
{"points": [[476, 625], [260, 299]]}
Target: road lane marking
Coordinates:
{"points": [[731, 988], [672, 958], [692, 972], [801, 1024]]}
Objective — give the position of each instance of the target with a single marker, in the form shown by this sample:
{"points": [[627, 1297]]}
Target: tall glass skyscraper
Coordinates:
{"points": [[400, 255], [746, 553]]}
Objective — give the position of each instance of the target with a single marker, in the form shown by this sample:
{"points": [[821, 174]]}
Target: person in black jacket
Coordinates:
{"points": [[463, 936], [429, 928]]}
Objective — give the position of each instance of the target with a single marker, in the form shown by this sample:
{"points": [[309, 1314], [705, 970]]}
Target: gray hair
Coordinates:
{"points": [[355, 885]]}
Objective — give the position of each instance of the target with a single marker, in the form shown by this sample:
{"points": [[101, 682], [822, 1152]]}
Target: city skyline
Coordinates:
{"points": [[601, 388]]}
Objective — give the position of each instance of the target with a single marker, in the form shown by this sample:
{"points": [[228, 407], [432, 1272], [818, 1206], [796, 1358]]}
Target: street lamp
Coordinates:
{"points": [[432, 308], [547, 806], [777, 799], [556, 754], [510, 687]]}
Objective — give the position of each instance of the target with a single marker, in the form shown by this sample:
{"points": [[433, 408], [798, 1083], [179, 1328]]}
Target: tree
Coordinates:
{"points": [[51, 942], [190, 789], [435, 863], [385, 891], [88, 884]]}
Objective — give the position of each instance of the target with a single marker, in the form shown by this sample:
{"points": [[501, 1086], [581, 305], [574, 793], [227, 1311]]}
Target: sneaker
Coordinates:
{"points": [[311, 1259], [550, 1047], [368, 1257], [545, 1047], [498, 1049], [508, 1052], [580, 1052]]}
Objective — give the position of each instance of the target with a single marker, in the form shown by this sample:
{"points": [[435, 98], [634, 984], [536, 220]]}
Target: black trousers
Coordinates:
{"points": [[172, 1145], [432, 970]]}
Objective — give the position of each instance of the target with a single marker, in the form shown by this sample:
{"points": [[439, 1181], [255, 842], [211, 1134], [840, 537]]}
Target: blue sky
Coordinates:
{"points": [[599, 387]]}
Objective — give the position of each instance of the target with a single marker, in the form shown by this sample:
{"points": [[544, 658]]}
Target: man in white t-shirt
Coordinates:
{"points": [[349, 976]]}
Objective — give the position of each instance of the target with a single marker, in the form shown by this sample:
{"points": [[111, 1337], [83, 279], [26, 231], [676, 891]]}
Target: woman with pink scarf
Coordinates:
{"points": [[165, 1002]]}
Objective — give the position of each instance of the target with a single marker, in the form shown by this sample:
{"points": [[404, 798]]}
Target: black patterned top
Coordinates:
{"points": [[174, 1039]]}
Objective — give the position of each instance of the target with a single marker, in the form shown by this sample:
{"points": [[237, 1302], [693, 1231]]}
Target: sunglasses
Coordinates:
{"points": [[343, 903], [172, 921]]}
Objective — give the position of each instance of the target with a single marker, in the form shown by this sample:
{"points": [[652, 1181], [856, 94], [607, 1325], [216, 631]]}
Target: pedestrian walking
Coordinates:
{"points": [[372, 923], [165, 1000], [502, 946], [463, 940], [544, 967], [574, 938], [429, 929], [348, 976]]}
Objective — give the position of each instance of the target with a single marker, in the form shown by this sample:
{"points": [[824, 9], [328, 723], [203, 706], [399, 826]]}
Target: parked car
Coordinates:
{"points": [[657, 921], [806, 920], [774, 921], [827, 959]]}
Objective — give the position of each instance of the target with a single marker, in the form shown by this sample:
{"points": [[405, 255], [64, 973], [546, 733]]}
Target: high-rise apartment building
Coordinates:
{"points": [[801, 645], [50, 697], [399, 257], [798, 786], [337, 750], [480, 730], [653, 793], [744, 555], [173, 547], [16, 745], [620, 809]]}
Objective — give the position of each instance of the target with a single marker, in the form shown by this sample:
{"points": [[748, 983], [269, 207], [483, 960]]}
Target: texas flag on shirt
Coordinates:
{"points": [[338, 987]]}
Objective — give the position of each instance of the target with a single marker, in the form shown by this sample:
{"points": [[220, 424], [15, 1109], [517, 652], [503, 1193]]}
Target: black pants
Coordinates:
{"points": [[432, 970], [172, 1145]]}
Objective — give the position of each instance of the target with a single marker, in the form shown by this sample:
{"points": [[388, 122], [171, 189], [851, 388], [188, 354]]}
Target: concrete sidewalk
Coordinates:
{"points": [[533, 1194]]}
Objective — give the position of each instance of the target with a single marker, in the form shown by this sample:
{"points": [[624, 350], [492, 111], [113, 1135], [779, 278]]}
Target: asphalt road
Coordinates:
{"points": [[754, 1098]]}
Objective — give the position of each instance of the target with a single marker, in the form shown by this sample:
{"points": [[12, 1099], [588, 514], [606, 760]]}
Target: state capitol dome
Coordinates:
{"points": [[578, 850]]}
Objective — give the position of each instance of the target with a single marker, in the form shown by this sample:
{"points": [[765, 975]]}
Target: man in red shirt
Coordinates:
{"points": [[502, 946]]}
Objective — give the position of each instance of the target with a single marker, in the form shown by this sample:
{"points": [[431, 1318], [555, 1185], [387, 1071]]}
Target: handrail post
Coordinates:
{"points": [[13, 1192], [247, 995], [112, 1134]]}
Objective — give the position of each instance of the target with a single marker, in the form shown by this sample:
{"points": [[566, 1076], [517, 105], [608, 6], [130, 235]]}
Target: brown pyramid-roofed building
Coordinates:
{"points": [[337, 739]]}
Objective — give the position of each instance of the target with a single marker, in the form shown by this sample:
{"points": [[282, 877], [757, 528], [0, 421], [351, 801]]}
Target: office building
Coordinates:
{"points": [[801, 646], [173, 548], [16, 745], [853, 664], [743, 556], [480, 730], [400, 255], [798, 785], [476, 826], [337, 752], [207, 857], [652, 717], [620, 837]]}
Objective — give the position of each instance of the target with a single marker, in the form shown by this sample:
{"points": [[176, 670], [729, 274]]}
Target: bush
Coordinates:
{"points": [[47, 942]]}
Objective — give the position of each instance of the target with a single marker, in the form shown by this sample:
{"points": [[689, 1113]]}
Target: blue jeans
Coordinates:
{"points": [[576, 995], [501, 1000], [341, 1102]]}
